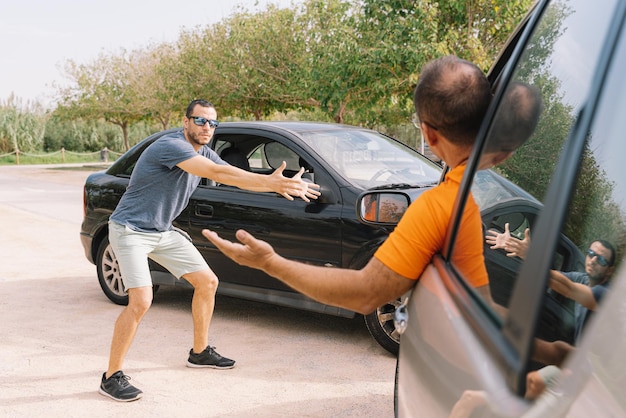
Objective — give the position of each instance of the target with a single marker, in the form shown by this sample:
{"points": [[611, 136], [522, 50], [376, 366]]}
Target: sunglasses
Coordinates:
{"points": [[601, 260], [200, 121]]}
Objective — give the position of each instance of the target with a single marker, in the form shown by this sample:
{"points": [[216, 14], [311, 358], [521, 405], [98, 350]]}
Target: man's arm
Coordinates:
{"points": [[233, 176], [579, 292], [358, 290], [550, 352]]}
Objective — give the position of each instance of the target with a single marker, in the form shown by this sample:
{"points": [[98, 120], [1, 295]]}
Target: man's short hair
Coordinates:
{"points": [[517, 117], [609, 247], [452, 96], [192, 105]]}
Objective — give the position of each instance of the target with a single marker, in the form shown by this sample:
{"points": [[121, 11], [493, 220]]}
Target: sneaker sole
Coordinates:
{"points": [[208, 366], [102, 392]]}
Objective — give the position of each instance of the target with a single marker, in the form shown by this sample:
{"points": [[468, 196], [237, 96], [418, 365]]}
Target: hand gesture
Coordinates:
{"points": [[295, 186], [498, 240], [516, 247], [251, 252]]}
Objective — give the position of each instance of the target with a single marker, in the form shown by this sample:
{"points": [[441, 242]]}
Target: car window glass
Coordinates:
{"points": [[275, 153], [536, 111], [598, 208], [260, 155], [371, 160], [257, 159]]}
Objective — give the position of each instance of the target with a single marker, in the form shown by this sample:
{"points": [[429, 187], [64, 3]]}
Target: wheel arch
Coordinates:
{"points": [[98, 237]]}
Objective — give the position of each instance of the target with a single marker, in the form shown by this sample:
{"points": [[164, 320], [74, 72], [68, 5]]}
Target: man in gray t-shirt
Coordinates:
{"points": [[165, 176], [589, 287], [585, 288]]}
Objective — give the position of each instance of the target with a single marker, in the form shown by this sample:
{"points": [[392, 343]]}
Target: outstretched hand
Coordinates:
{"points": [[294, 186], [251, 252], [516, 247], [503, 240], [496, 239]]}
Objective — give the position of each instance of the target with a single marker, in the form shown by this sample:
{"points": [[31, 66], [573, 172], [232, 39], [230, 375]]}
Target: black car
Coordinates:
{"points": [[344, 160], [349, 163]]}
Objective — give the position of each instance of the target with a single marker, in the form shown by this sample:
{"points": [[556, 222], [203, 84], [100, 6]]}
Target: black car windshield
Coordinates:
{"points": [[371, 160]]}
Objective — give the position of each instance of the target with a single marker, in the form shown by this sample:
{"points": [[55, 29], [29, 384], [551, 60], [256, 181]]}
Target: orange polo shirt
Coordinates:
{"points": [[421, 232]]}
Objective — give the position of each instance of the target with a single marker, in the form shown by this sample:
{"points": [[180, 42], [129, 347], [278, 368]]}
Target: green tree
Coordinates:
{"points": [[102, 89], [199, 51], [158, 83], [335, 79], [403, 35], [260, 63]]}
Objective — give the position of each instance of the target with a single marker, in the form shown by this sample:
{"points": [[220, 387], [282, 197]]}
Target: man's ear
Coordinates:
{"points": [[429, 134]]}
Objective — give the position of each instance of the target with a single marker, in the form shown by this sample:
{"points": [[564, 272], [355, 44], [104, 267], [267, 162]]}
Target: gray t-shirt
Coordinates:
{"points": [[580, 312], [158, 190]]}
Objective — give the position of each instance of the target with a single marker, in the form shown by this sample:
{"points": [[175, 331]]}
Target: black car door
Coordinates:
{"points": [[308, 232]]}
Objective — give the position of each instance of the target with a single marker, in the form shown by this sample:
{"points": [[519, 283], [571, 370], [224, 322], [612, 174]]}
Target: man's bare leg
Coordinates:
{"points": [[139, 301], [202, 305], [202, 355]]}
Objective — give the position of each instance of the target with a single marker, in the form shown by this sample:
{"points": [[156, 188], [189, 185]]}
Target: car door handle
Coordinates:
{"points": [[204, 211]]}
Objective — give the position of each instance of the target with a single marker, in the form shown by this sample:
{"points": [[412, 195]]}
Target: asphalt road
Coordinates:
{"points": [[56, 327]]}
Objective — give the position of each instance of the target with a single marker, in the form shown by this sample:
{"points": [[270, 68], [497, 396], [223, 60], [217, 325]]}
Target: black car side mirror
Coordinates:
{"points": [[382, 207]]}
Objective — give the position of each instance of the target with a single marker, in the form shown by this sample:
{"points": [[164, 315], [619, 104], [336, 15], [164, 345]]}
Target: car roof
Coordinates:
{"points": [[293, 126]]}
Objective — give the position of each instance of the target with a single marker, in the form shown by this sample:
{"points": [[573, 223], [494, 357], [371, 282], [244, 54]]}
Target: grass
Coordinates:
{"points": [[52, 158]]}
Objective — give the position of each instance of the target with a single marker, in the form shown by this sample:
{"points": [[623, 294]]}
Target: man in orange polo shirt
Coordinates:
{"points": [[451, 99]]}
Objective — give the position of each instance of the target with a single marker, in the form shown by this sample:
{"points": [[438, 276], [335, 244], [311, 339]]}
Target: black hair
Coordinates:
{"points": [[609, 247], [192, 105]]}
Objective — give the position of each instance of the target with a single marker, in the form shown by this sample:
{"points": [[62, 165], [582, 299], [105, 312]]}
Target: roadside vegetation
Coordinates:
{"points": [[323, 60], [327, 60]]}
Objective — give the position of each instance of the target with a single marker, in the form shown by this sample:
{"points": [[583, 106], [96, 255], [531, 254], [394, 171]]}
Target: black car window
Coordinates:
{"points": [[258, 154], [369, 159], [275, 153]]}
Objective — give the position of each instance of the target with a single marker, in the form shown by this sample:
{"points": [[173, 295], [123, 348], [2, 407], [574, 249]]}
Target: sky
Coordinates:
{"points": [[38, 37]]}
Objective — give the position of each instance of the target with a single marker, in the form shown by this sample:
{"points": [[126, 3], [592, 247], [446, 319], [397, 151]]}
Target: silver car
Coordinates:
{"points": [[458, 356]]}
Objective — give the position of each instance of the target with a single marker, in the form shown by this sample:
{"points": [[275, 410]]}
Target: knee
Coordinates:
{"points": [[138, 305], [206, 284]]}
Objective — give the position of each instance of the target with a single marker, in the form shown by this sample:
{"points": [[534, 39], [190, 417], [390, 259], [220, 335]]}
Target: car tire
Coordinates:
{"points": [[381, 327], [109, 275]]}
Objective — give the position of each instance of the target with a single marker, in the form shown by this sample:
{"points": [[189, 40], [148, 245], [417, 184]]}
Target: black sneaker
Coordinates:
{"points": [[117, 387], [209, 358]]}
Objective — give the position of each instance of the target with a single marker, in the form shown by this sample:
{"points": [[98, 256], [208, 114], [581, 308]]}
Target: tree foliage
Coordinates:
{"points": [[22, 125], [357, 61], [105, 89]]}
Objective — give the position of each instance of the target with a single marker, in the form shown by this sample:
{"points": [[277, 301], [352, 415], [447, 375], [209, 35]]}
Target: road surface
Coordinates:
{"points": [[56, 327]]}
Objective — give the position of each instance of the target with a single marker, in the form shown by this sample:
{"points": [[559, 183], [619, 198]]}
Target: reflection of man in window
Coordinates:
{"points": [[514, 124], [586, 288]]}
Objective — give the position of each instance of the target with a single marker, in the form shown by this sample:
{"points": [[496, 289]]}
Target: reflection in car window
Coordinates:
{"points": [[371, 160], [598, 208], [545, 66], [558, 62]]}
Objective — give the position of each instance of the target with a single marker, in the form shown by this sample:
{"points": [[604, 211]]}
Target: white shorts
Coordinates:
{"points": [[170, 249]]}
